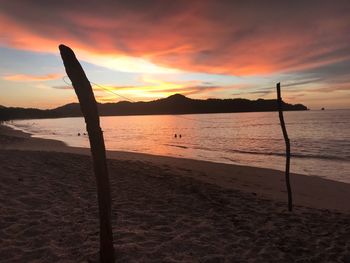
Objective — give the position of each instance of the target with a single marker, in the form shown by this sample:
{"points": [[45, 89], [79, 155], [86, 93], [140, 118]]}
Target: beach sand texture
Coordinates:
{"points": [[164, 209]]}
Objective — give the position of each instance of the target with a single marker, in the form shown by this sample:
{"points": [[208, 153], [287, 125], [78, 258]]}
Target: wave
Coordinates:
{"points": [[178, 146], [296, 155], [266, 153]]}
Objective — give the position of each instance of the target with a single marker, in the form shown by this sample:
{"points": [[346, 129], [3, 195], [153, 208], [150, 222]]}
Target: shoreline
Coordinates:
{"points": [[308, 191], [232, 143], [163, 209]]}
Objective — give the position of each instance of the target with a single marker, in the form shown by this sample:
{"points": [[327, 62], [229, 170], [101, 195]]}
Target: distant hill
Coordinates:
{"points": [[175, 104]]}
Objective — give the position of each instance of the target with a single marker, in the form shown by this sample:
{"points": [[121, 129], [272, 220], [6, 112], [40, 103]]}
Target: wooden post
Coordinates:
{"points": [[88, 107], [286, 139]]}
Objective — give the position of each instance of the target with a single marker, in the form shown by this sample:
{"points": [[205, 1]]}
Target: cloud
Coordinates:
{"points": [[230, 37], [189, 90], [25, 77], [152, 88], [144, 93], [332, 88], [63, 87], [301, 83], [260, 92]]}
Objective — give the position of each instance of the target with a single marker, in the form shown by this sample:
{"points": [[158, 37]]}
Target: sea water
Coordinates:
{"points": [[320, 140]]}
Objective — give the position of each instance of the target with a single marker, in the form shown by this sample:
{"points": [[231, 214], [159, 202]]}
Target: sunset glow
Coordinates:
{"points": [[198, 48], [24, 78], [175, 130]]}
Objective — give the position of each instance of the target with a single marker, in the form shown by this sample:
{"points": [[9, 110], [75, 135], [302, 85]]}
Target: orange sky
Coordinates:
{"points": [[151, 49]]}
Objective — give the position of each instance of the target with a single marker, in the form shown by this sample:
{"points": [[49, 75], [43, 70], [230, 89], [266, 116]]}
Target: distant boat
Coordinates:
{"points": [[322, 109]]}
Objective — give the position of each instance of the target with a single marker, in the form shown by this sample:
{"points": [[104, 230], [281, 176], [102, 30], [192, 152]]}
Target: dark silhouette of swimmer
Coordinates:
{"points": [[78, 133], [175, 135], [180, 136]]}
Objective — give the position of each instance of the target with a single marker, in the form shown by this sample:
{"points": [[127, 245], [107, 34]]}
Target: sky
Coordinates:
{"points": [[150, 49]]}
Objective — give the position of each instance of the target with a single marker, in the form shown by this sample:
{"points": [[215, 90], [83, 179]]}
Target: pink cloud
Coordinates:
{"points": [[231, 37], [25, 77]]}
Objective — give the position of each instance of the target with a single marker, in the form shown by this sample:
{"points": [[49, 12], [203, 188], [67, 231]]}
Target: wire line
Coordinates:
{"points": [[130, 100]]}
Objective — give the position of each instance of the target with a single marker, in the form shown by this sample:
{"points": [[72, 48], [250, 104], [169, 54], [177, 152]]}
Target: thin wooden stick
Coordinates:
{"points": [[286, 139], [88, 107]]}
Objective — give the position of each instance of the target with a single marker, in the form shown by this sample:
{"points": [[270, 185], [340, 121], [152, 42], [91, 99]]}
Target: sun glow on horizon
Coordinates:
{"points": [[152, 88], [125, 63]]}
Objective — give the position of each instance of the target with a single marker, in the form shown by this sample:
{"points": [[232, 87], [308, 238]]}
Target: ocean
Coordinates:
{"points": [[320, 140]]}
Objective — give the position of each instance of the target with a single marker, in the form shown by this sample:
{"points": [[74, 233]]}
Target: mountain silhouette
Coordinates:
{"points": [[174, 104]]}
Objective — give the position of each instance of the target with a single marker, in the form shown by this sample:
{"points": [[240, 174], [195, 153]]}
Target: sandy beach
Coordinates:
{"points": [[164, 209]]}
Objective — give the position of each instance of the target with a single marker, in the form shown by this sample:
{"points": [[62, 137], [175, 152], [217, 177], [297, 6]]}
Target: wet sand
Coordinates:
{"points": [[164, 209]]}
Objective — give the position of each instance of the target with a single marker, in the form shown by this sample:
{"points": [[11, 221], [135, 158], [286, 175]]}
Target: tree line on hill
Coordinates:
{"points": [[175, 104]]}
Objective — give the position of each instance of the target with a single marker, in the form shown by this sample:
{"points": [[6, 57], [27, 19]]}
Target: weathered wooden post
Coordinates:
{"points": [[286, 139], [88, 107]]}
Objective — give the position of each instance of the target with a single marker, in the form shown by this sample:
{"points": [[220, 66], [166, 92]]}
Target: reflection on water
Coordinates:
{"points": [[320, 140]]}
